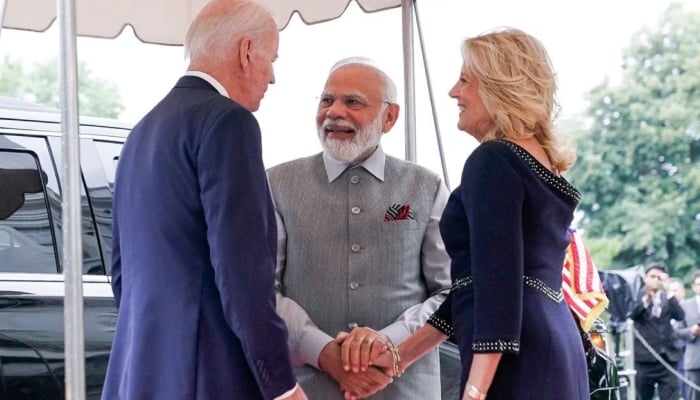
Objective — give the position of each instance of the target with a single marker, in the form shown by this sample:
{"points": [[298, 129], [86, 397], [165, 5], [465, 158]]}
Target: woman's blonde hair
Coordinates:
{"points": [[517, 86]]}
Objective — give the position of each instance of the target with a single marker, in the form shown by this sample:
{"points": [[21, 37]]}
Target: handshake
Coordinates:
{"points": [[363, 362]]}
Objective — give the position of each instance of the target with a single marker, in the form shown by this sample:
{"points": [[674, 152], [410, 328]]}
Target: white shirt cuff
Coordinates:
{"points": [[397, 333], [311, 344]]}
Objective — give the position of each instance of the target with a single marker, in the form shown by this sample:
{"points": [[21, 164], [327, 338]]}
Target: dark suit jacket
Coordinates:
{"points": [[658, 332], [194, 257], [692, 348]]}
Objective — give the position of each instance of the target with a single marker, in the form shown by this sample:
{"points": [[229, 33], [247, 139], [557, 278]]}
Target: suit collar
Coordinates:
{"points": [[210, 79], [194, 82]]}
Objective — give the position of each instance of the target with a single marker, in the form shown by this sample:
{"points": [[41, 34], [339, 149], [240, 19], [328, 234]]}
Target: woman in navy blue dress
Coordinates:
{"points": [[505, 228]]}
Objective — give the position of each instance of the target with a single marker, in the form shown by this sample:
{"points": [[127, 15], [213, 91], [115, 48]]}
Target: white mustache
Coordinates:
{"points": [[337, 123]]}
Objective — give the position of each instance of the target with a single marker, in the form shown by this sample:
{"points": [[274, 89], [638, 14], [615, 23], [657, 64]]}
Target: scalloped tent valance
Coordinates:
{"points": [[163, 21]]}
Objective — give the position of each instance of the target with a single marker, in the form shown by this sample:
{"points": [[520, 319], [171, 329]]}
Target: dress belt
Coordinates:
{"points": [[535, 283]]}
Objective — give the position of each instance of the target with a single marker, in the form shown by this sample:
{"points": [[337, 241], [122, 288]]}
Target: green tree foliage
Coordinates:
{"points": [[41, 84], [638, 163]]}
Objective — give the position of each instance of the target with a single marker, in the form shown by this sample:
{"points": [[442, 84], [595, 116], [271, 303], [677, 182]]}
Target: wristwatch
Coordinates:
{"points": [[474, 393]]}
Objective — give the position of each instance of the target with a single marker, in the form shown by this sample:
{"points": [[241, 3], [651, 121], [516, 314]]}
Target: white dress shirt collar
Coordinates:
{"points": [[374, 164], [219, 87]]}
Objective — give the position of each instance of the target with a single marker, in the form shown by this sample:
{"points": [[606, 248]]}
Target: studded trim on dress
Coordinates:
{"points": [[557, 182], [556, 295], [496, 346], [461, 283], [535, 283], [441, 325]]}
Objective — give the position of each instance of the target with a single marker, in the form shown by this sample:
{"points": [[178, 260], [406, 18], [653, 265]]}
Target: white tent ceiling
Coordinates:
{"points": [[162, 21]]}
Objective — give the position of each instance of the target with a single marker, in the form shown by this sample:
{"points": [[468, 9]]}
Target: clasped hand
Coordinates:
{"points": [[364, 350]]}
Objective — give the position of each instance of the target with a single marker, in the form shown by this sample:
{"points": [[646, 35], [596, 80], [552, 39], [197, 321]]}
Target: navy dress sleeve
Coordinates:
{"points": [[495, 214], [442, 318]]}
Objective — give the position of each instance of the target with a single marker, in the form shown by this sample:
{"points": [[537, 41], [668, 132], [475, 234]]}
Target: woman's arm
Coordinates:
{"points": [[411, 350], [481, 373]]}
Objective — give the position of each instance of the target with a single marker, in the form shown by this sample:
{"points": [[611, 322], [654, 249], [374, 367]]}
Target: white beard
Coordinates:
{"points": [[349, 150]]}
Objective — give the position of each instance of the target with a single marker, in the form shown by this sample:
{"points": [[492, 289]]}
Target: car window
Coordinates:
{"points": [[109, 155], [26, 238], [92, 257], [98, 171]]}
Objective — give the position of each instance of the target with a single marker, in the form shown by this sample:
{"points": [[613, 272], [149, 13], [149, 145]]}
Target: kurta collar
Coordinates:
{"points": [[219, 87], [374, 164]]}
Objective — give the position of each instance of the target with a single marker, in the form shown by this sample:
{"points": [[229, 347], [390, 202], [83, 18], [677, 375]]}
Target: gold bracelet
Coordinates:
{"points": [[473, 392], [397, 359]]}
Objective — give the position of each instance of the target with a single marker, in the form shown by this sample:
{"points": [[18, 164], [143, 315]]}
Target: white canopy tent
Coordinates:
{"points": [[107, 19]]}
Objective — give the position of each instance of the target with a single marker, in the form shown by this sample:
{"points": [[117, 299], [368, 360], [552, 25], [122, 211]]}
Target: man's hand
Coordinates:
{"points": [[355, 385], [360, 347], [695, 330], [385, 362]]}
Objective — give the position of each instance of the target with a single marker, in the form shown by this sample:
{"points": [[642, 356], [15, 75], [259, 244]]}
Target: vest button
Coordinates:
{"points": [[354, 285], [355, 210], [355, 248]]}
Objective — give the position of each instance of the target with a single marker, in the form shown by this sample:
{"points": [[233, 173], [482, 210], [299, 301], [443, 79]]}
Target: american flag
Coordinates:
{"points": [[581, 284]]}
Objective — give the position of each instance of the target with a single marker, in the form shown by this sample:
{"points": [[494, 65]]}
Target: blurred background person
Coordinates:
{"points": [[676, 288], [652, 314], [690, 332]]}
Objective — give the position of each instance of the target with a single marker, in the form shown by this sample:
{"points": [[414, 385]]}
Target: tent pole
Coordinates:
{"points": [[432, 98], [409, 79], [74, 335]]}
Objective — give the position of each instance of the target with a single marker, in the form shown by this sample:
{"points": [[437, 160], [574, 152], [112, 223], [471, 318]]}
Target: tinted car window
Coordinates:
{"points": [[98, 170], [92, 258], [109, 155], [26, 240]]}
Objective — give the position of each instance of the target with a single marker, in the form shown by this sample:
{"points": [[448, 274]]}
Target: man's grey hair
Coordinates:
{"points": [[223, 23], [389, 84]]}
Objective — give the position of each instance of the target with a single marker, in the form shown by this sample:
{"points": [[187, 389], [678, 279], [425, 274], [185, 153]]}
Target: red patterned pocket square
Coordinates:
{"points": [[398, 212]]}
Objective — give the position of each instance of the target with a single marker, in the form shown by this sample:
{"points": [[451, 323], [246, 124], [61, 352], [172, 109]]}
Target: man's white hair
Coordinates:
{"points": [[389, 84], [222, 23]]}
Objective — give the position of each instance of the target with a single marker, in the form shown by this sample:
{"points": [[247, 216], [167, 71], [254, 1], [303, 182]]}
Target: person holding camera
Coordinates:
{"points": [[655, 353]]}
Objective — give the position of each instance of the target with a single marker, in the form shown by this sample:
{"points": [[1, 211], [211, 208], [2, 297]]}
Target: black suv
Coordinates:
{"points": [[31, 279]]}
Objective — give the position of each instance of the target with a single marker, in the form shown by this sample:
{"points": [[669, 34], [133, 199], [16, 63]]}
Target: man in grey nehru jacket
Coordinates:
{"points": [[359, 248]]}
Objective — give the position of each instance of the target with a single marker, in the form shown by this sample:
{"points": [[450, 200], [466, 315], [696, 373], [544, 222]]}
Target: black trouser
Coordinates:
{"points": [[651, 374]]}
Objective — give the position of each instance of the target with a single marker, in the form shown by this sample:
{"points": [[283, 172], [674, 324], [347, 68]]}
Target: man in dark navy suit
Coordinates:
{"points": [[194, 229]]}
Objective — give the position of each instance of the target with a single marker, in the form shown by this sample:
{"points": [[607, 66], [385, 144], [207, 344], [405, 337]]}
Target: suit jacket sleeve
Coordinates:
{"points": [[682, 329], [435, 265], [238, 211], [685, 330], [116, 267], [638, 310]]}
